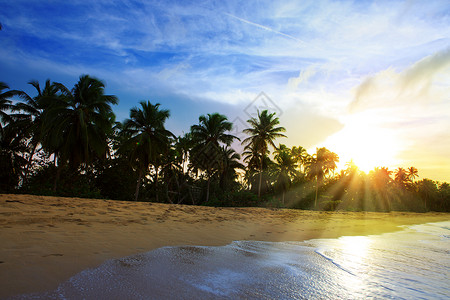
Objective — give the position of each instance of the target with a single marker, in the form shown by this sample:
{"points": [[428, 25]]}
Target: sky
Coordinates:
{"points": [[369, 80]]}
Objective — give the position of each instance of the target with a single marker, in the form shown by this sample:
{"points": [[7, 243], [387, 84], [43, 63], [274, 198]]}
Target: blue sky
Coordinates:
{"points": [[367, 79]]}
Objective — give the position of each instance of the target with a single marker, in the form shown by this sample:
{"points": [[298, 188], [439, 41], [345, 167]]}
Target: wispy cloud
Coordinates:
{"points": [[413, 106], [426, 80], [267, 28], [316, 58]]}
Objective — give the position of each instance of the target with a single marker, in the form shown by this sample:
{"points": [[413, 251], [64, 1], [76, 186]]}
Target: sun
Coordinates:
{"points": [[365, 142]]}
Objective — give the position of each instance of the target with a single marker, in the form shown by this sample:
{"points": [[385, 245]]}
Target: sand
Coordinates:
{"points": [[46, 240]]}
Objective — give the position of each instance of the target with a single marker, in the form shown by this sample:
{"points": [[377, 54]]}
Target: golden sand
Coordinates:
{"points": [[46, 240]]}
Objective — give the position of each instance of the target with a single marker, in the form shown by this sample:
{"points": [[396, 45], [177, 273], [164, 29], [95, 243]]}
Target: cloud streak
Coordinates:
{"points": [[323, 60], [303, 43]]}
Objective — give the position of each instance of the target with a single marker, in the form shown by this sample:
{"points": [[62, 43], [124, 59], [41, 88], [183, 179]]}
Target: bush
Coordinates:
{"points": [[9, 175], [240, 198], [272, 202], [331, 205], [117, 180], [70, 184]]}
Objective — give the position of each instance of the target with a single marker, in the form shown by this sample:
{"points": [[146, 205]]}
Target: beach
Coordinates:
{"points": [[47, 240]]}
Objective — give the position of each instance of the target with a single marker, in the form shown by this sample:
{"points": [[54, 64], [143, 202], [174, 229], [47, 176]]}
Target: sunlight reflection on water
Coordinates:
{"points": [[355, 254], [403, 265]]}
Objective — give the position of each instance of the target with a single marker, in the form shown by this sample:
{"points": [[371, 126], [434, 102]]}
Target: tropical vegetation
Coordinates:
{"points": [[66, 142]]}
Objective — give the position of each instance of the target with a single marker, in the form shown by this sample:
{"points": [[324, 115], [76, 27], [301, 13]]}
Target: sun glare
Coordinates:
{"points": [[355, 251], [355, 246], [365, 143]]}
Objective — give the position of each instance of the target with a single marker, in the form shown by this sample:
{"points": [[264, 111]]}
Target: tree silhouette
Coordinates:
{"points": [[32, 114], [5, 103], [146, 138], [207, 136], [301, 156], [285, 167], [12, 162], [322, 163], [401, 177], [78, 121], [262, 132], [228, 163], [412, 173], [183, 146], [74, 131], [381, 178]]}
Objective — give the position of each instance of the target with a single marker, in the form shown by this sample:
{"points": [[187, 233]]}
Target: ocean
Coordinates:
{"points": [[413, 263]]}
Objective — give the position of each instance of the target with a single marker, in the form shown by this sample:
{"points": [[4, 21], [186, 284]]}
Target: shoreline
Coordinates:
{"points": [[46, 240]]}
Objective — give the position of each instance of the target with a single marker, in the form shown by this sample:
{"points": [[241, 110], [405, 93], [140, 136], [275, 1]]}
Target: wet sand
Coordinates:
{"points": [[46, 240]]}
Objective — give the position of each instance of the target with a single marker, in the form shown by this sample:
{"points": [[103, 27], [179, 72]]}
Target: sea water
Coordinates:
{"points": [[413, 263]]}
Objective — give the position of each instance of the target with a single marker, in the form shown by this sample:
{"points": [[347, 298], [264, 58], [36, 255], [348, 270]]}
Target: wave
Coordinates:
{"points": [[412, 263]]}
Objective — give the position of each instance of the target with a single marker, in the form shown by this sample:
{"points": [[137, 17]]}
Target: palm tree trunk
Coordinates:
{"points": [[156, 184], [207, 189], [260, 178], [27, 169], [178, 188], [166, 188], [183, 161], [138, 184], [58, 173], [388, 200], [259, 186], [190, 194], [317, 192]]}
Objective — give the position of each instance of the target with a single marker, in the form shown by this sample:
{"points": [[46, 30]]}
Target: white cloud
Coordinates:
{"points": [[302, 78], [425, 81], [411, 108], [305, 54]]}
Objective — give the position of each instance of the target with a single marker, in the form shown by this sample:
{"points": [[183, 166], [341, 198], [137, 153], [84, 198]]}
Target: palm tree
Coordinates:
{"points": [[5, 103], [262, 132], [321, 164], [401, 177], [207, 135], [76, 123], [172, 175], [352, 169], [146, 137], [428, 190], [228, 163], [252, 157], [412, 173], [12, 147], [381, 177], [213, 128], [31, 114], [285, 163], [301, 156], [183, 145]]}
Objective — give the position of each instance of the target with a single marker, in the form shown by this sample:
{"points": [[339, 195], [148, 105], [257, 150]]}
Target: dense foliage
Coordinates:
{"points": [[67, 142]]}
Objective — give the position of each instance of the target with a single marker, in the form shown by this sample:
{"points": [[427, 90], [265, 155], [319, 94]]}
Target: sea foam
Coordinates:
{"points": [[411, 263]]}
